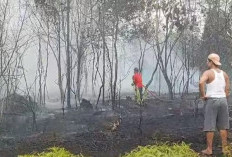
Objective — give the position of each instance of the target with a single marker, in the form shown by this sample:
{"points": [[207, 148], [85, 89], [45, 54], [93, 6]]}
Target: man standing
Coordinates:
{"points": [[138, 82], [216, 108]]}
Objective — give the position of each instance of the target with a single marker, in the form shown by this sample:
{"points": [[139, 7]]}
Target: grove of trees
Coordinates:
{"points": [[84, 37]]}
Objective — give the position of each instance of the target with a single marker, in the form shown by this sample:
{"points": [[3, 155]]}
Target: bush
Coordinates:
{"points": [[158, 150], [228, 151], [163, 150], [53, 152]]}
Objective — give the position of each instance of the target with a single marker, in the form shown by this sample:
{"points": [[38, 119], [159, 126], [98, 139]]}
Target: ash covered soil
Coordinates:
{"points": [[106, 133]]}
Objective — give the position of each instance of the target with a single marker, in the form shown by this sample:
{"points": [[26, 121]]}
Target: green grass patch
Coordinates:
{"points": [[53, 152], [163, 150], [157, 150], [228, 151]]}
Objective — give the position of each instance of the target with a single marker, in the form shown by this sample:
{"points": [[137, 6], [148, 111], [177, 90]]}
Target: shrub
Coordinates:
{"points": [[53, 152], [228, 151], [163, 150]]}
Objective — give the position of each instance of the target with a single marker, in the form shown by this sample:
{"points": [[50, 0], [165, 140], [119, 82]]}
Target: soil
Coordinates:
{"points": [[106, 133]]}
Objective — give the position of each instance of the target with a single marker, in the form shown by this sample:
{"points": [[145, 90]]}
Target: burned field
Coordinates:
{"points": [[103, 132]]}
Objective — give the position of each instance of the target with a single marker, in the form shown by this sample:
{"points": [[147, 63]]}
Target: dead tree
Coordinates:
{"points": [[68, 62], [12, 43]]}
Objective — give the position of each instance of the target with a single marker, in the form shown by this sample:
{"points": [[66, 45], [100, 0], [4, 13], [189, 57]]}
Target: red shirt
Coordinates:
{"points": [[137, 78]]}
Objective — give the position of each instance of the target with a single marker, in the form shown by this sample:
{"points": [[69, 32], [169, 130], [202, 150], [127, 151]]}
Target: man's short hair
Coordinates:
{"points": [[136, 69]]}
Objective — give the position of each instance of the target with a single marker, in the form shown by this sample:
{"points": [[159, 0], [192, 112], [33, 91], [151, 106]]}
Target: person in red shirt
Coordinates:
{"points": [[138, 82]]}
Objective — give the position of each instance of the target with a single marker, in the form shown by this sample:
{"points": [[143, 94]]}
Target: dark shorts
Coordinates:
{"points": [[216, 114]]}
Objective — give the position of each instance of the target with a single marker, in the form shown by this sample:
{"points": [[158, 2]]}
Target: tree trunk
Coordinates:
{"points": [[68, 74], [116, 54], [104, 54], [169, 84]]}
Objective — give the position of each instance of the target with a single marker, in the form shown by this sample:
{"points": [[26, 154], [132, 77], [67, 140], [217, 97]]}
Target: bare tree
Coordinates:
{"points": [[12, 42], [68, 62]]}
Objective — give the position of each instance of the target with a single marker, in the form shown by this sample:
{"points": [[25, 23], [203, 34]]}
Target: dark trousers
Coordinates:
{"points": [[141, 93]]}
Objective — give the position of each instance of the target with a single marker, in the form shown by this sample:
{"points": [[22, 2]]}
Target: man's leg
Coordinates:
{"points": [[141, 94], [223, 122], [209, 140], [137, 95], [210, 124], [224, 135]]}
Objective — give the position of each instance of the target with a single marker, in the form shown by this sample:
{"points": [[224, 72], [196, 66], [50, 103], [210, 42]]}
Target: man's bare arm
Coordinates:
{"points": [[202, 82], [227, 88]]}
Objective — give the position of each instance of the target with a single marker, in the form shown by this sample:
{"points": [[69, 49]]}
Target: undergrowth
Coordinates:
{"points": [[157, 150], [53, 152], [163, 150]]}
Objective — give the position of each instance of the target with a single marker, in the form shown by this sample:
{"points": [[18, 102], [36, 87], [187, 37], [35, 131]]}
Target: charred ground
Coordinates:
{"points": [[103, 132]]}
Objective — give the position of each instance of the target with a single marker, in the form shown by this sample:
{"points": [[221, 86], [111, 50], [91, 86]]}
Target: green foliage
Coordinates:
{"points": [[228, 151], [53, 152], [163, 150]]}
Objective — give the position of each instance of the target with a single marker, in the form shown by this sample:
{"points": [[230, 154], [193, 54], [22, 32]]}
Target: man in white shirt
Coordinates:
{"points": [[216, 108]]}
